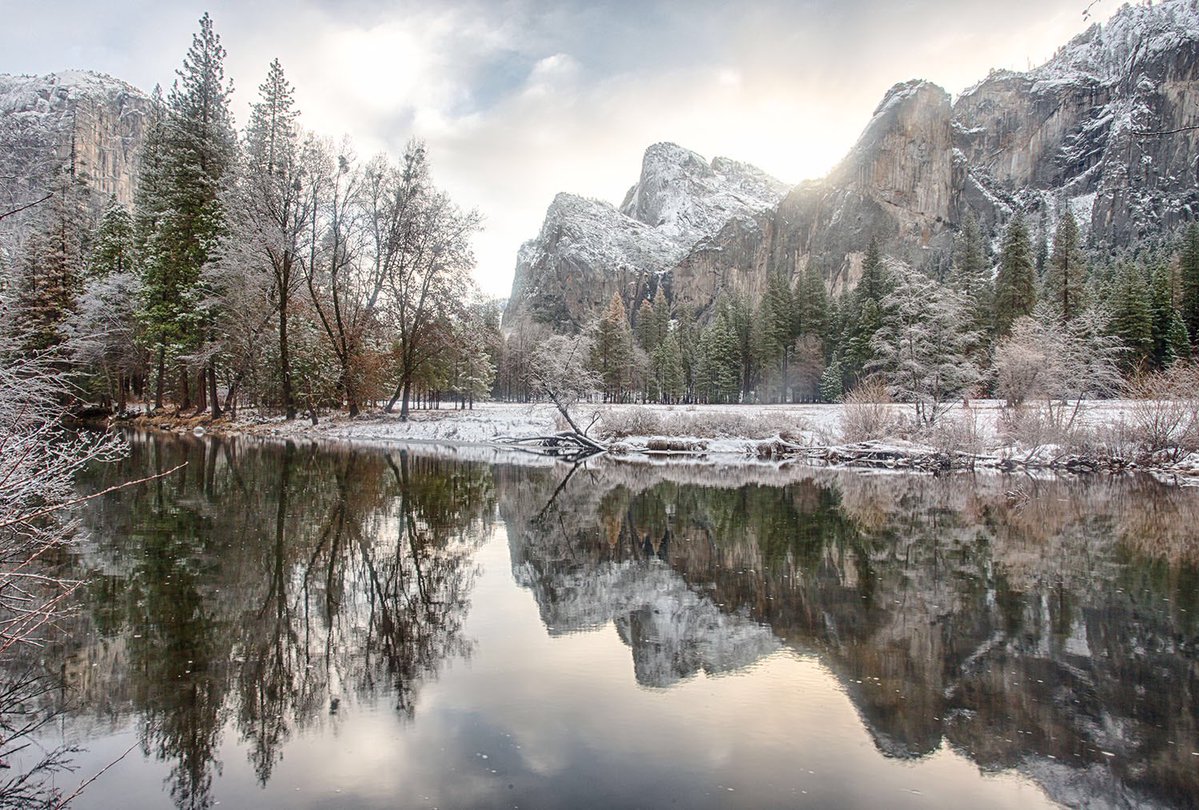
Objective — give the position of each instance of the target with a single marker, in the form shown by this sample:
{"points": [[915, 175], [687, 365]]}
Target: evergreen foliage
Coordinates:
{"points": [[1065, 279], [1015, 283]]}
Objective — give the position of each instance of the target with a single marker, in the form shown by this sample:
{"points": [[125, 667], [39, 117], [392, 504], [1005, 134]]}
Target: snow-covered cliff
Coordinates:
{"points": [[84, 122], [1109, 126], [587, 249]]}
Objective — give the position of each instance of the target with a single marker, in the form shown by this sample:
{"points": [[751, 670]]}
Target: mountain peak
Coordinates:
{"points": [[685, 198]]}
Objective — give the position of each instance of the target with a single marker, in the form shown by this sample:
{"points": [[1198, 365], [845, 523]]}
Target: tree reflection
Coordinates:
{"points": [[265, 587], [1054, 632]]}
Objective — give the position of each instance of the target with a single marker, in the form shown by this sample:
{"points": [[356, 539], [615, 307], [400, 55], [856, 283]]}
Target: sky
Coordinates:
{"points": [[520, 99]]}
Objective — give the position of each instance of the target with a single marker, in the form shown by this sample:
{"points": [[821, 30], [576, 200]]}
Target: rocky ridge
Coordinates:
{"points": [[587, 249], [84, 122], [1108, 127]]}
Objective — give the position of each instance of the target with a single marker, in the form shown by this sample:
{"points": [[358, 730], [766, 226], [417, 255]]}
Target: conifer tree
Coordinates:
{"points": [[1164, 313], [1132, 315], [778, 320], [863, 315], [113, 249], [51, 272], [1189, 278], [668, 369], [612, 351], [971, 274], [189, 160], [1178, 344], [923, 348], [1015, 284], [1065, 279], [811, 304], [647, 326], [718, 377], [830, 381], [270, 211], [661, 322]]}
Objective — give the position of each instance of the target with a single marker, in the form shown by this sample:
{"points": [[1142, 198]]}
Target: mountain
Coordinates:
{"points": [[588, 249], [1108, 127], [87, 123]]}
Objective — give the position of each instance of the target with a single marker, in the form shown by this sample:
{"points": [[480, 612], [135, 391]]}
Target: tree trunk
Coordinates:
{"points": [[395, 397], [406, 386], [202, 391], [289, 403], [216, 403], [186, 394], [160, 384]]}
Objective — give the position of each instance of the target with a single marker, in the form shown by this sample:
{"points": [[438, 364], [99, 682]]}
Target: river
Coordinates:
{"points": [[291, 626]]}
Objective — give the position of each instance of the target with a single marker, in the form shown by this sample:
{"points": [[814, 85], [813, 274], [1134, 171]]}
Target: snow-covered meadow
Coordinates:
{"points": [[735, 435]]}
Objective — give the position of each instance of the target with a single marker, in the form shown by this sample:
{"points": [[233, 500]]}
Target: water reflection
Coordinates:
{"points": [[1053, 629], [1048, 627], [267, 587]]}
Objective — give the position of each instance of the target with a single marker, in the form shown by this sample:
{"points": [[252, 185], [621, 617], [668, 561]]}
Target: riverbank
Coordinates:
{"points": [[1100, 436]]}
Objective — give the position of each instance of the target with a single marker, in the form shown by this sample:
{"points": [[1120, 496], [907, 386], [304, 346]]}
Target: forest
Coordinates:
{"points": [[275, 269]]}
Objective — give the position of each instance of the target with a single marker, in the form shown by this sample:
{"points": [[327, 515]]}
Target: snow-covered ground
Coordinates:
{"points": [[714, 434]]}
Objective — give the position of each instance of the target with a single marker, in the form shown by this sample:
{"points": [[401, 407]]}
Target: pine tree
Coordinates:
{"points": [[1065, 280], [1161, 304], [668, 369], [718, 377], [51, 273], [1132, 315], [1178, 344], [612, 352], [863, 315], [189, 159], [1189, 278], [661, 325], [743, 326], [113, 248], [812, 304], [971, 275], [924, 347], [778, 320], [1015, 284], [270, 211], [647, 332], [830, 381]]}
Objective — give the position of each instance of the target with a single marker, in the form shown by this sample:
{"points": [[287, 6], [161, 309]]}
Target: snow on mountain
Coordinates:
{"points": [[88, 122], [1109, 52], [587, 249], [687, 199]]}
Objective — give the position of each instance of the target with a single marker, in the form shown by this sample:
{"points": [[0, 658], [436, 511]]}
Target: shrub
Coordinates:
{"points": [[1164, 419], [868, 413]]}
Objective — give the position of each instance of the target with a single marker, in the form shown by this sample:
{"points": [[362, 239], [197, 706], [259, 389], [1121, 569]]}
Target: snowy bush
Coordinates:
{"points": [[868, 413], [1164, 421]]}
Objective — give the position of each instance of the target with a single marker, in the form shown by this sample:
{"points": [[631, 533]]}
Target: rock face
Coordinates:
{"points": [[1108, 127], [588, 250], [86, 123]]}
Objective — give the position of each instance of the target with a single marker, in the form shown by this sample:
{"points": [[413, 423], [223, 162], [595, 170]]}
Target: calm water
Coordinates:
{"points": [[301, 627]]}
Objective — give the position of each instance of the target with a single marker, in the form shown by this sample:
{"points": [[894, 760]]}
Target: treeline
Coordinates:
{"points": [[268, 267], [930, 340]]}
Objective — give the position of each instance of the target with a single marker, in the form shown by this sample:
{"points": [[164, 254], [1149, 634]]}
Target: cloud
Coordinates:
{"points": [[523, 98]]}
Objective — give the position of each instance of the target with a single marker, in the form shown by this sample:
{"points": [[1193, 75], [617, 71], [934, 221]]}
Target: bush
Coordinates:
{"points": [[1164, 419], [868, 413]]}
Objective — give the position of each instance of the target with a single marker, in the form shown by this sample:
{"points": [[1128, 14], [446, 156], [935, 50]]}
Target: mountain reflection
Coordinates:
{"points": [[265, 587], [1046, 626]]}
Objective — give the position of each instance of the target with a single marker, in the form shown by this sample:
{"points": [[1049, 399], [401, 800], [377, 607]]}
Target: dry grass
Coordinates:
{"points": [[868, 413], [618, 423]]}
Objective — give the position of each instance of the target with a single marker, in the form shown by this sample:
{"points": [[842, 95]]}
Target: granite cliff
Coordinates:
{"points": [[86, 123], [1108, 127]]}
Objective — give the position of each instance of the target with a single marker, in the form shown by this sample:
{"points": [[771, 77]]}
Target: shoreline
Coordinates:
{"points": [[729, 436]]}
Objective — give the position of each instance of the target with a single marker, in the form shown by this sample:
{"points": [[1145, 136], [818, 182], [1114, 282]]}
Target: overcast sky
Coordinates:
{"points": [[519, 100]]}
